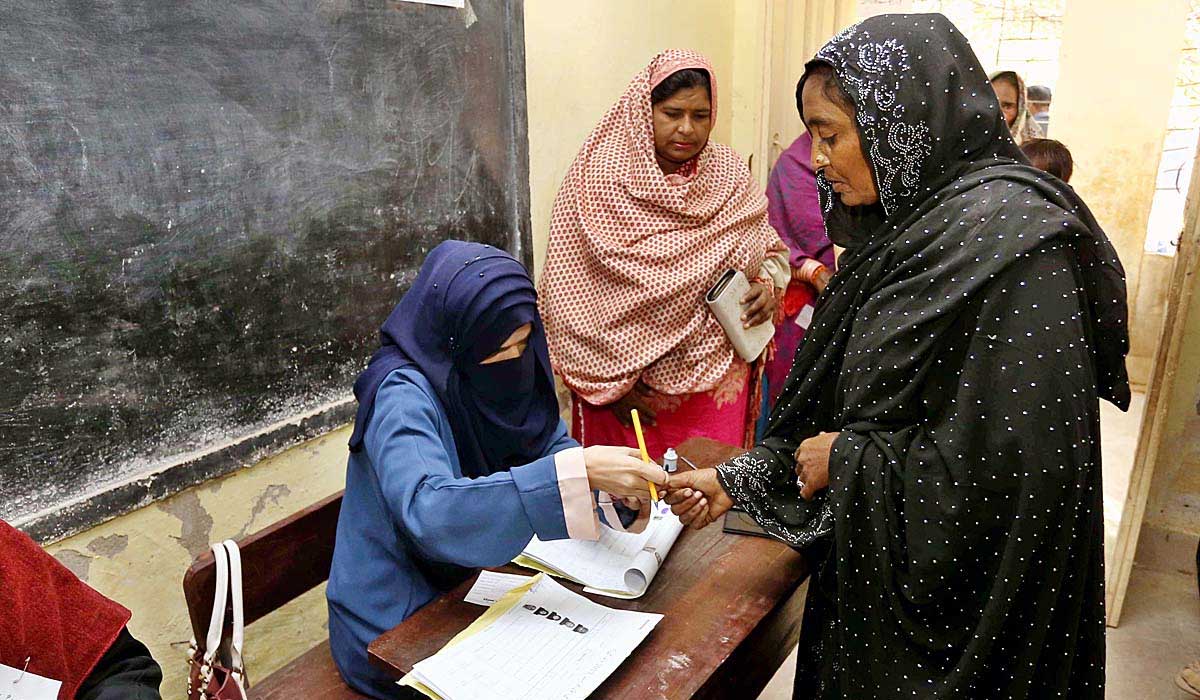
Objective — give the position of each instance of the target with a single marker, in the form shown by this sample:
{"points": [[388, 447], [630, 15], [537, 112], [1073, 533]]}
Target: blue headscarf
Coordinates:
{"points": [[467, 300]]}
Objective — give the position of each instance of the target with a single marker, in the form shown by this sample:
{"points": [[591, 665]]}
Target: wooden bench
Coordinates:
{"points": [[279, 563]]}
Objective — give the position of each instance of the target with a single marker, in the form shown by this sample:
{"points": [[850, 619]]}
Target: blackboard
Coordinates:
{"points": [[207, 207]]}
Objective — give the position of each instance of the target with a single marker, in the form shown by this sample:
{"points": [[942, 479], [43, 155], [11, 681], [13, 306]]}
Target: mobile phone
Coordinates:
{"points": [[739, 522]]}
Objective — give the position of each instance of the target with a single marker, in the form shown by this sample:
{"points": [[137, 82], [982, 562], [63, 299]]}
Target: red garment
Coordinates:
{"points": [[51, 617], [632, 252], [721, 414], [788, 334], [794, 208]]}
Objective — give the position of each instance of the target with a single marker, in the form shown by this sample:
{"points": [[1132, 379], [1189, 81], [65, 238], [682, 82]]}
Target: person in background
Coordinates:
{"points": [[794, 210], [1039, 97], [55, 626], [936, 450], [1010, 90], [649, 216], [1051, 156], [458, 456]]}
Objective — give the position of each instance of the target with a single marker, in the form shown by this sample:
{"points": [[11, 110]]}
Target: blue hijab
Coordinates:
{"points": [[467, 300]]}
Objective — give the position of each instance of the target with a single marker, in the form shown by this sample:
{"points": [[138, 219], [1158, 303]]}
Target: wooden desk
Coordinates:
{"points": [[730, 603]]}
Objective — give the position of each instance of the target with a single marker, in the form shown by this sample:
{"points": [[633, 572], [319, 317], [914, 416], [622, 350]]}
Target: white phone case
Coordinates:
{"points": [[724, 299]]}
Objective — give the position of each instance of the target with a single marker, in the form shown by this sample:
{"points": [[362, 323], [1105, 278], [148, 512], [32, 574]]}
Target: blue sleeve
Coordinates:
{"points": [[562, 440], [627, 516], [469, 522]]}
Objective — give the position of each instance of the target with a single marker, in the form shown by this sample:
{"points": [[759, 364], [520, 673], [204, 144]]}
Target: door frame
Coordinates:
{"points": [[1151, 447]]}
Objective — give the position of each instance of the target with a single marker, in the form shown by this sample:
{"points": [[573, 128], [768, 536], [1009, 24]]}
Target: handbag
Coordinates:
{"points": [[724, 299], [218, 671]]}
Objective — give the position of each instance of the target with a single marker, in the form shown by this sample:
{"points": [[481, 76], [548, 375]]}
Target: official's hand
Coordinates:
{"points": [[621, 472], [641, 506], [758, 305], [812, 463], [697, 497], [630, 502], [636, 398]]}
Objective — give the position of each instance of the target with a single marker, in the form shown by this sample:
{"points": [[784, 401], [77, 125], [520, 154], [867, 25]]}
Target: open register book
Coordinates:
{"points": [[540, 640], [619, 564]]}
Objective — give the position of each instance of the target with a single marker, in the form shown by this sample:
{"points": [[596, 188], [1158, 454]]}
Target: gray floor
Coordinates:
{"points": [[1159, 634]]}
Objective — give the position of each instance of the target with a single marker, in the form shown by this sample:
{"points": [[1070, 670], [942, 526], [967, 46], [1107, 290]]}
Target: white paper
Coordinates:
{"points": [[443, 3], [619, 564], [552, 644], [491, 586], [804, 318], [18, 685], [468, 15]]}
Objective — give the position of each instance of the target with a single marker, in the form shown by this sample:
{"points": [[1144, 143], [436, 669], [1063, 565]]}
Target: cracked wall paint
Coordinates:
{"points": [[161, 540], [139, 559], [270, 496], [80, 564], [109, 546], [196, 523]]}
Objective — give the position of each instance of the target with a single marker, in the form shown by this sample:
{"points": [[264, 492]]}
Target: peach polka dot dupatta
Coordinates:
{"points": [[632, 252]]}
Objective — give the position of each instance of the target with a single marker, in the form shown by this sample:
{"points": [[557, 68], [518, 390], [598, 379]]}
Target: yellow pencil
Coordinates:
{"points": [[637, 429]]}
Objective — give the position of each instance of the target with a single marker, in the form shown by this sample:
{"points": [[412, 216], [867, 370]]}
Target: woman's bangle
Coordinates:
{"points": [[808, 271]]}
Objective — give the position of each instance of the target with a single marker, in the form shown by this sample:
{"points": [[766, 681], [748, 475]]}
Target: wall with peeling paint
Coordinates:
{"points": [[1147, 305], [1174, 499], [197, 242], [1115, 129], [139, 559]]}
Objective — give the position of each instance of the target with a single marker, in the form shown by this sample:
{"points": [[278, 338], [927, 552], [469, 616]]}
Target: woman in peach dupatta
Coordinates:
{"points": [[650, 214]]}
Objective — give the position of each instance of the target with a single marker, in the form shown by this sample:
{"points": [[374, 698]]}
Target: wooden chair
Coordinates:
{"points": [[279, 563]]}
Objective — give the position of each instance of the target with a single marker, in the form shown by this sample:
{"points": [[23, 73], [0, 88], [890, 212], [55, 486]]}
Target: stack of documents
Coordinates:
{"points": [[619, 564], [539, 640]]}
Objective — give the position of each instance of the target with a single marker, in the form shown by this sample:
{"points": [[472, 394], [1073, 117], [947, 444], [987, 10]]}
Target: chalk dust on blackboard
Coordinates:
{"points": [[207, 209]]}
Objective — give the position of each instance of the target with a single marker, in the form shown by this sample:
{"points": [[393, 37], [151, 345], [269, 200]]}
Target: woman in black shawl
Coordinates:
{"points": [[946, 392]]}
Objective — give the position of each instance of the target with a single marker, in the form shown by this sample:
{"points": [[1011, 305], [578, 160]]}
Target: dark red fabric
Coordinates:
{"points": [[798, 296], [49, 616]]}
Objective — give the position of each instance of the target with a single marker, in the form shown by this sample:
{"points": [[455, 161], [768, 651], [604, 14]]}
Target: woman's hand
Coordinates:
{"points": [[697, 497], [813, 273], [621, 472], [758, 304], [637, 505], [820, 279], [812, 464], [630, 502], [636, 398]]}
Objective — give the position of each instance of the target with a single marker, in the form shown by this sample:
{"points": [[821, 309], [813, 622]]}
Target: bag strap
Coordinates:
{"points": [[216, 623], [238, 640]]}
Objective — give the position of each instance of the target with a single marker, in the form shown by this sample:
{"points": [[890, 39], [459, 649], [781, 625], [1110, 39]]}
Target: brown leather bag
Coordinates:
{"points": [[217, 669]]}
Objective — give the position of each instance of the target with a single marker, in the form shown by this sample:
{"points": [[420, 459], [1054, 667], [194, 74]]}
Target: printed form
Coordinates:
{"points": [[540, 641], [619, 564]]}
